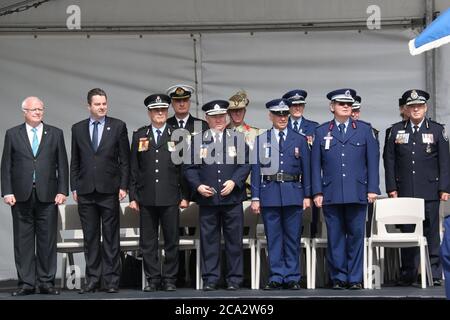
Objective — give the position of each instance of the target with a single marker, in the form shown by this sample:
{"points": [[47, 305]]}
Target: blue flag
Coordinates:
{"points": [[434, 35]]}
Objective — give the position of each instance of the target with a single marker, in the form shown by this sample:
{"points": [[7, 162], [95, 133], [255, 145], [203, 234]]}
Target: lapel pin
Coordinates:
{"points": [[108, 128], [45, 132]]}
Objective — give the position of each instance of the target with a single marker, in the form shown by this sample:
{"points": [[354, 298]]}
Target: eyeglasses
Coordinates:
{"points": [[342, 104], [35, 110]]}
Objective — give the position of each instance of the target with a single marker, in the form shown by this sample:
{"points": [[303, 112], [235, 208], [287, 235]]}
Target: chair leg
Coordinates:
{"points": [[258, 265], [308, 266], [369, 266], [199, 281], [313, 266], [144, 279], [422, 266], [365, 263], [252, 263], [428, 267], [63, 270], [382, 261], [187, 259]]}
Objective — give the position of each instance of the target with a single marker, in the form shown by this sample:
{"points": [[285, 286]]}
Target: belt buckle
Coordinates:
{"points": [[279, 177]]}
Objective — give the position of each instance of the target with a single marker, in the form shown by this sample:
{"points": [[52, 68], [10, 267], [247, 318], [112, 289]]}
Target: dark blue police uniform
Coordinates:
{"points": [[280, 181], [213, 163], [344, 170]]}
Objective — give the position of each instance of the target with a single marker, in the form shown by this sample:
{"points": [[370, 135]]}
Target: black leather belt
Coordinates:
{"points": [[282, 177]]}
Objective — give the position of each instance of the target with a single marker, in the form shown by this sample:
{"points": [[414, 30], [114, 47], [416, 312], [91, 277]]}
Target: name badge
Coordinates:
{"points": [[402, 138], [427, 138], [328, 139], [266, 147], [171, 146], [232, 151], [143, 144], [297, 152]]}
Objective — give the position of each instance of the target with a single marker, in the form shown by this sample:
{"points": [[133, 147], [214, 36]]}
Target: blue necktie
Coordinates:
{"points": [[35, 143], [296, 126], [342, 129], [34, 148], [95, 136], [281, 142], [158, 135]]}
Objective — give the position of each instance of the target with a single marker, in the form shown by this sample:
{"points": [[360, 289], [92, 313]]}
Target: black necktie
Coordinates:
{"points": [[416, 129], [158, 135], [181, 122], [95, 136], [342, 129], [281, 142], [296, 126]]}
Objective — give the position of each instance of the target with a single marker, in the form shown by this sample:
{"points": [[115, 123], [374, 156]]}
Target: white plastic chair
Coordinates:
{"points": [[305, 243], [398, 211], [70, 236]]}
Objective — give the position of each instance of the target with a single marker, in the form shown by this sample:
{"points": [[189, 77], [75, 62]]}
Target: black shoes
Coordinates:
{"points": [[210, 286], [232, 286], [169, 286], [112, 290], [437, 282], [292, 285], [48, 290], [273, 285], [151, 287], [23, 292], [339, 285], [355, 286], [89, 288]]}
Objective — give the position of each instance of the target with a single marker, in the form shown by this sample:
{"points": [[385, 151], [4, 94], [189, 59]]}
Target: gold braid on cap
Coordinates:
{"points": [[240, 96]]}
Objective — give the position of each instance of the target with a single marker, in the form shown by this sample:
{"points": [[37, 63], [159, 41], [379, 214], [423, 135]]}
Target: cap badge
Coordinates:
{"points": [[158, 99], [347, 93], [414, 94], [282, 104], [297, 96], [179, 91], [216, 107]]}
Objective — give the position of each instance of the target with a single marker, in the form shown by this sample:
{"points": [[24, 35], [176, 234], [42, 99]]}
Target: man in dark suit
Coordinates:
{"points": [[218, 170], [35, 179], [99, 173], [281, 189], [156, 192], [187, 126], [416, 163], [345, 178]]}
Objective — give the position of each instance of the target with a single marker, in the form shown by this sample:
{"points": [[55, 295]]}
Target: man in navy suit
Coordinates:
{"points": [[281, 189], [345, 178], [416, 163], [99, 173], [217, 173], [35, 180]]}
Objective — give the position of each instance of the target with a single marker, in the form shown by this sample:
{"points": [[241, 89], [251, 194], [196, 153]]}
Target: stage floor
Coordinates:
{"points": [[386, 293]]}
